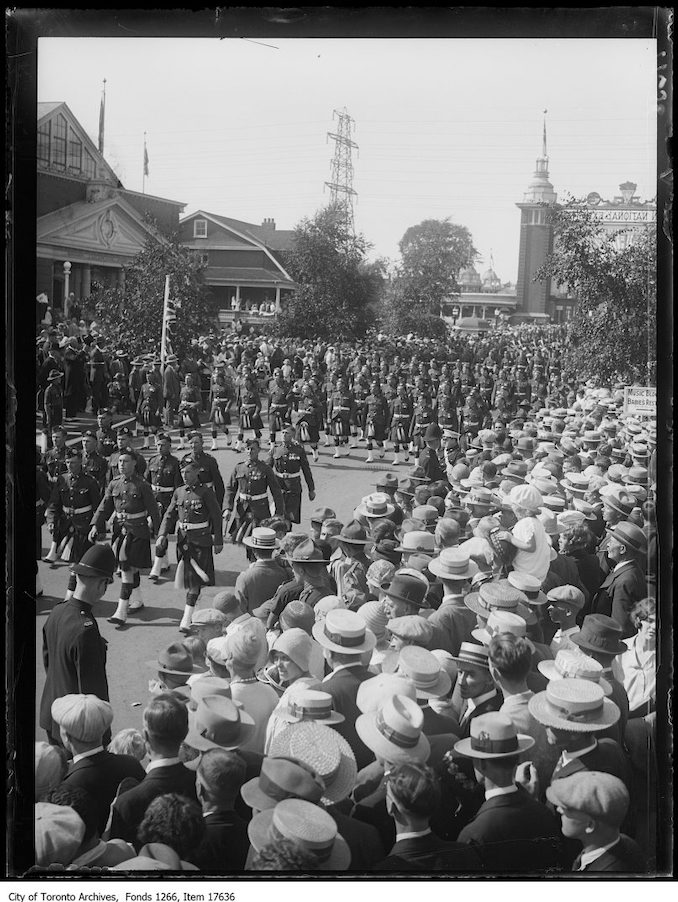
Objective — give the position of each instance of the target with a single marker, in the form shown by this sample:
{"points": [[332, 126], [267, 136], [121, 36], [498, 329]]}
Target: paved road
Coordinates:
{"points": [[340, 484]]}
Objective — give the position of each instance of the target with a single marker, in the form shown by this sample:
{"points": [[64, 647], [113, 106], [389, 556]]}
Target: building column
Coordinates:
{"points": [[86, 281], [77, 282], [237, 297], [278, 306], [121, 279]]}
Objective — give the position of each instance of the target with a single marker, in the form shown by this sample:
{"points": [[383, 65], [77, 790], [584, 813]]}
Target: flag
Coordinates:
{"points": [[102, 110], [145, 159]]}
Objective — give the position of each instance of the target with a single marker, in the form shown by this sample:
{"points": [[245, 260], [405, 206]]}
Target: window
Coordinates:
{"points": [[89, 166], [59, 144], [74, 151], [44, 134], [200, 228]]}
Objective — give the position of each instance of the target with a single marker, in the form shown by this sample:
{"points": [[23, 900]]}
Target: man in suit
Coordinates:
{"points": [[625, 584], [453, 620], [82, 721], [346, 642], [477, 690], [592, 807], [516, 832], [429, 460], [165, 728]]}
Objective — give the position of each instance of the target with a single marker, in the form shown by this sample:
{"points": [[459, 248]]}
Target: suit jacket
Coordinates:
{"points": [[130, 807], [436, 724], [429, 853], [100, 775], [362, 839], [224, 847], [607, 757], [618, 593], [453, 622], [343, 685], [515, 832], [491, 704], [625, 857], [430, 464]]}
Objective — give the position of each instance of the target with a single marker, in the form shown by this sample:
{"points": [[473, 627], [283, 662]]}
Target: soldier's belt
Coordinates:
{"points": [[287, 475], [72, 511], [246, 497], [187, 527], [123, 515], [162, 488], [284, 406], [401, 416], [340, 408]]}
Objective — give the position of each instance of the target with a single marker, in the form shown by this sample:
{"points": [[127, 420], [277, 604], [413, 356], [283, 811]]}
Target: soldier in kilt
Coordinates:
{"points": [[247, 500], [190, 402], [149, 408], [279, 404], [74, 497], [222, 397], [164, 475], [340, 408], [423, 417], [196, 516], [376, 420], [400, 421], [250, 413], [361, 391], [308, 419]]}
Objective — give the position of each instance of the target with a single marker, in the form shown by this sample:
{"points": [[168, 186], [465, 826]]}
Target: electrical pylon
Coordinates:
{"points": [[341, 184]]}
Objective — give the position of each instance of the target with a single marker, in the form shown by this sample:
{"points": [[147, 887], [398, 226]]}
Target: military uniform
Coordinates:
{"points": [[376, 418], [247, 497], [140, 462], [97, 379], [164, 475], [71, 503], [400, 410], [131, 500], [250, 413], [53, 406], [423, 417], [196, 516], [190, 401], [74, 656], [149, 406], [222, 398], [288, 463], [339, 411], [208, 474], [96, 466], [106, 442], [279, 405], [55, 463]]}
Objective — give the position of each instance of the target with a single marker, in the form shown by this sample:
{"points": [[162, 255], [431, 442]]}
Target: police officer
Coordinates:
{"points": [[124, 445], [149, 406], [375, 420], [209, 474], [73, 651], [247, 501], [279, 404], [164, 475], [130, 498], [429, 459], [288, 461], [106, 440], [190, 401], [196, 515], [93, 463], [340, 408], [74, 496]]}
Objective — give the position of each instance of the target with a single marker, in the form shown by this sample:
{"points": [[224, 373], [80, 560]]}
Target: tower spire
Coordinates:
{"points": [[544, 152]]}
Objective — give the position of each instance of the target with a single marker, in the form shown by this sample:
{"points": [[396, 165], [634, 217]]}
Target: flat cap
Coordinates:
{"points": [[84, 717], [600, 795]]}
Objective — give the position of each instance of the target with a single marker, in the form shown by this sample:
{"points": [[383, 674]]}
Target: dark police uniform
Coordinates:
{"points": [[74, 655], [288, 463], [247, 497], [208, 473], [196, 516], [71, 503], [131, 500]]}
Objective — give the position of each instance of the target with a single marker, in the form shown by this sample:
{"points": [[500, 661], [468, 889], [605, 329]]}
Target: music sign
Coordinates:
{"points": [[640, 401]]}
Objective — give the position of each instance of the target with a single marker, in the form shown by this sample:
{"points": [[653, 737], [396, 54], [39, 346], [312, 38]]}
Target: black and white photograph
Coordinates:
{"points": [[350, 376]]}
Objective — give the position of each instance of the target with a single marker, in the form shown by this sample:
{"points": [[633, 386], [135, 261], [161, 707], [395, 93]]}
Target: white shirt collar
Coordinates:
{"points": [[413, 834], [473, 703], [500, 791], [88, 754], [162, 762], [341, 667], [594, 854], [566, 756], [453, 599], [620, 565]]}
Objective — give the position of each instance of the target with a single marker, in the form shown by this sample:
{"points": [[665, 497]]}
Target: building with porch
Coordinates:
{"points": [[89, 226]]}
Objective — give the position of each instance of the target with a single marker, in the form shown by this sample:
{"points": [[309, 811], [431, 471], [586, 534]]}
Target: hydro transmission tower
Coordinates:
{"points": [[341, 184]]}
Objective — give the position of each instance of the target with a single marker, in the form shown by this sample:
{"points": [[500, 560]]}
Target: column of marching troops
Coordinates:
{"points": [[522, 536]]}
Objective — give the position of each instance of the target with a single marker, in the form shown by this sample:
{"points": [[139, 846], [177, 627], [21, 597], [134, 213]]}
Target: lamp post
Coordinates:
{"points": [[67, 276]]}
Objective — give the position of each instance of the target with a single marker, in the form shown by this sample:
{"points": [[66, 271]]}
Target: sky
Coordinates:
{"points": [[444, 128]]}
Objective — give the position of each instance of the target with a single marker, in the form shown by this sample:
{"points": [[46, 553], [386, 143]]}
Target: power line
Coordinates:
{"points": [[341, 184]]}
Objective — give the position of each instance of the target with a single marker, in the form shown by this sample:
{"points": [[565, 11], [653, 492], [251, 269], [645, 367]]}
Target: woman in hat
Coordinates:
{"points": [[243, 651], [578, 543]]}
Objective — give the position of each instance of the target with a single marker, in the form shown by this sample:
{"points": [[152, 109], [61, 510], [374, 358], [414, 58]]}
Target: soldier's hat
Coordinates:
{"points": [[98, 560], [89, 434], [124, 430], [73, 452], [162, 437], [194, 434]]}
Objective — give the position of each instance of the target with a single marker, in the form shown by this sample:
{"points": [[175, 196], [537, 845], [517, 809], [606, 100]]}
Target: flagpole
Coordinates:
{"points": [[143, 178], [102, 117], [163, 340]]}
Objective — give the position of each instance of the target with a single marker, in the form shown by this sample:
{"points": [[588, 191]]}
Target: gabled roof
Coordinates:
{"points": [[276, 240], [243, 274], [48, 109], [44, 109]]}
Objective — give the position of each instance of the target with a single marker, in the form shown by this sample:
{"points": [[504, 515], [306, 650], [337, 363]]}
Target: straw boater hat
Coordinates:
{"points": [[281, 779], [500, 622], [570, 664], [575, 706], [529, 585], [175, 660], [472, 655], [576, 483], [345, 632], [218, 723], [499, 595], [394, 731], [373, 693], [324, 751], [423, 669], [304, 704], [262, 538], [453, 564], [308, 826], [375, 505], [493, 735]]}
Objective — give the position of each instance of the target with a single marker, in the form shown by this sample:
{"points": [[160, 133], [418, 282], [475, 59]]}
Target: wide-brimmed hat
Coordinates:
{"points": [[344, 632], [515, 469], [322, 749], [218, 722], [208, 685], [306, 552], [84, 717], [279, 779], [453, 564], [353, 533], [576, 483], [406, 486], [630, 535], [97, 561], [571, 664], [375, 505], [482, 497], [573, 705], [261, 537], [387, 482], [308, 826], [417, 541], [499, 595], [175, 660], [312, 705], [373, 693], [320, 514], [600, 634], [529, 585], [493, 735], [621, 501], [386, 550], [407, 587], [394, 731], [423, 669], [500, 622]]}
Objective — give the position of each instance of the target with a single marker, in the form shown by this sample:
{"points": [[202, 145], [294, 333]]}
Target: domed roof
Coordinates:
{"points": [[490, 275], [469, 275]]}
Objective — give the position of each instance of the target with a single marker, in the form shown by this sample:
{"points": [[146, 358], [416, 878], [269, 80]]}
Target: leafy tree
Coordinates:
{"points": [[399, 316], [132, 318], [337, 288], [432, 254], [613, 334]]}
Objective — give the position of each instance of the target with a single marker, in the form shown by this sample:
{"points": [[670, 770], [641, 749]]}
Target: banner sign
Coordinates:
{"points": [[640, 401]]}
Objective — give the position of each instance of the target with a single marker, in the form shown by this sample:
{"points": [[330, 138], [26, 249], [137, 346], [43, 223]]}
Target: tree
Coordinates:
{"points": [[613, 334], [433, 253], [337, 288], [132, 318], [398, 316]]}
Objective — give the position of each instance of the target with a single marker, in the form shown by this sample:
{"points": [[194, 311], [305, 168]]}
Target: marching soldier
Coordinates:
{"points": [[74, 496], [208, 468], [196, 515], [136, 380], [339, 410], [361, 392], [124, 446], [247, 501], [278, 406], [53, 405], [190, 401], [308, 419], [222, 397], [250, 412], [376, 420], [106, 438], [171, 389], [422, 417], [149, 406], [164, 475], [288, 462], [118, 394], [400, 410], [130, 499], [93, 464], [55, 458]]}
